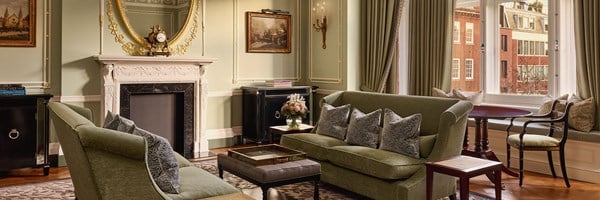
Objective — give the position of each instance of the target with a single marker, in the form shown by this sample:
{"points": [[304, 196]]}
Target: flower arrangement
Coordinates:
{"points": [[295, 107]]}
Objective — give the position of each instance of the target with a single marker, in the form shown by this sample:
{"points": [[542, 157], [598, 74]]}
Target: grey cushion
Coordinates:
{"points": [[401, 135], [118, 123], [334, 121], [363, 129], [161, 161]]}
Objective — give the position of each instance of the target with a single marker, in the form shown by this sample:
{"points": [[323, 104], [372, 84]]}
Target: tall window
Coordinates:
{"points": [[517, 40], [531, 58], [504, 43], [456, 32], [455, 68], [468, 68], [469, 33], [467, 13]]}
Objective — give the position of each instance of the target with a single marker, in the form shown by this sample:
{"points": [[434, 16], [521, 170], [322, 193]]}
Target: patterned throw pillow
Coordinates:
{"points": [[581, 115], [161, 161], [546, 107], [333, 121], [363, 129], [118, 123], [474, 97], [401, 135], [436, 92]]}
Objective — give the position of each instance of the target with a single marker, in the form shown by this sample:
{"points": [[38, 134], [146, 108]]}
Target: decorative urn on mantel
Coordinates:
{"points": [[118, 70]]}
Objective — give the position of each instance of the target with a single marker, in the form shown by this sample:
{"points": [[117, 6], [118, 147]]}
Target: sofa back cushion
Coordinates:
{"points": [[334, 121], [430, 108]]}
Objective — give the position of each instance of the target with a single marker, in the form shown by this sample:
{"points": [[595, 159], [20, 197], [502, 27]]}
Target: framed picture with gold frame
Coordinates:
{"points": [[268, 33], [17, 27]]}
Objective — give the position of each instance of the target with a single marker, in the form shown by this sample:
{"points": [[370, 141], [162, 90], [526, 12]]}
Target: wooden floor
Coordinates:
{"points": [[536, 186]]}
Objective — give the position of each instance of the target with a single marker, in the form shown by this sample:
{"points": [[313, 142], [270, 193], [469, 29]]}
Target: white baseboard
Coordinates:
{"points": [[582, 158], [212, 134]]}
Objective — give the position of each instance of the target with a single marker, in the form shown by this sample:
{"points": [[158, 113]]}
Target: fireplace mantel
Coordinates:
{"points": [[117, 70]]}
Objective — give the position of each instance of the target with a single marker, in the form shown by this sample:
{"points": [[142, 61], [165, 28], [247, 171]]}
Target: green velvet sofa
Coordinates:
{"points": [[108, 164], [381, 174]]}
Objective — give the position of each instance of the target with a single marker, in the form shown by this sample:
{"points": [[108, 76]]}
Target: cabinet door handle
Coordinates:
{"points": [[277, 115], [14, 134]]}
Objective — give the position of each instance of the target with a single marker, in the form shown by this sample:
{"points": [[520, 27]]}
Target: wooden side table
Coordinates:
{"points": [[465, 167], [285, 129]]}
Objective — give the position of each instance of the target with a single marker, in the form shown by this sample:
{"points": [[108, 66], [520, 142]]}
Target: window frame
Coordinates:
{"points": [[469, 70], [491, 64]]}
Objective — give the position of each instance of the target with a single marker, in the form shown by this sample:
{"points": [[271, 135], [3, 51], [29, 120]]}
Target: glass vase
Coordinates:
{"points": [[293, 122]]}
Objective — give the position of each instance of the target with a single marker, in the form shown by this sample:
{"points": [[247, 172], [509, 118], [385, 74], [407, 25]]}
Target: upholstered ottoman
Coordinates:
{"points": [[267, 176]]}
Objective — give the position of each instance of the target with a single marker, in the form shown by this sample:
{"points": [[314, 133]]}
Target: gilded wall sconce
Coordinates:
{"points": [[319, 11]]}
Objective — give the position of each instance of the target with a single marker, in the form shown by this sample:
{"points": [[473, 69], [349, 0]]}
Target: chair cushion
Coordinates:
{"points": [[401, 135], [333, 121], [314, 145], [531, 140], [196, 183], [363, 129], [374, 162]]}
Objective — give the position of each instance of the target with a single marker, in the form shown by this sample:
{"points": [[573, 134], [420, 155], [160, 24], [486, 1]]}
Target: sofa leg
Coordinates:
{"points": [[452, 196]]}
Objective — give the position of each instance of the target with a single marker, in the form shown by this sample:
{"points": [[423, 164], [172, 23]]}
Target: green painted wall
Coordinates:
{"points": [[79, 31]]}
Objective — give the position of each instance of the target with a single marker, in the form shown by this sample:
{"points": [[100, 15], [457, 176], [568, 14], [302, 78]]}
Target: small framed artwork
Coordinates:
{"points": [[17, 23], [268, 33]]}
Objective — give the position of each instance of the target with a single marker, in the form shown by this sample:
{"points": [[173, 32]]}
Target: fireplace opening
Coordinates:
{"points": [[165, 109]]}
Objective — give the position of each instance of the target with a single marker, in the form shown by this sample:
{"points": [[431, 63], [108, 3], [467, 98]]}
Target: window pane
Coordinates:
{"points": [[467, 12], [469, 33], [455, 68], [456, 32], [530, 61], [469, 69]]}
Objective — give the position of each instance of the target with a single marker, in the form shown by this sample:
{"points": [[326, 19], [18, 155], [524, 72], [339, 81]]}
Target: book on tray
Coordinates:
{"points": [[278, 83], [12, 89]]}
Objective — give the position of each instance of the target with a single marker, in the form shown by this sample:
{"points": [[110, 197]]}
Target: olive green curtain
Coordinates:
{"points": [[380, 24], [430, 47], [587, 42]]}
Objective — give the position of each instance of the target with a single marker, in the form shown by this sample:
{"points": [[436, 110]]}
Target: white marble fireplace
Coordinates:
{"points": [[118, 70]]}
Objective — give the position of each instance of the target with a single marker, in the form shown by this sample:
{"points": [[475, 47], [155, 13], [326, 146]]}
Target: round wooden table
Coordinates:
{"points": [[481, 114]]}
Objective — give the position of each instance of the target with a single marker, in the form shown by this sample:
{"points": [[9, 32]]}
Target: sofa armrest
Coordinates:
{"points": [[457, 111], [181, 161], [128, 145]]}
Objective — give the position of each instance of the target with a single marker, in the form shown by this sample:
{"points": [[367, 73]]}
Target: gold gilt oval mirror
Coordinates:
{"points": [[173, 16]]}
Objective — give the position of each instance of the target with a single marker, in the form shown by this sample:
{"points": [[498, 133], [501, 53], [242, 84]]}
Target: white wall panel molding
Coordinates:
{"points": [[333, 41]]}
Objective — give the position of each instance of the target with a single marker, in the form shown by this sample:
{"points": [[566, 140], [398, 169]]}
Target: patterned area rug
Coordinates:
{"points": [[63, 189]]}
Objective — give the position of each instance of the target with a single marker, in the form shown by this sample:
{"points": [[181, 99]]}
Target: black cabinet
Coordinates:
{"points": [[261, 109], [24, 132]]}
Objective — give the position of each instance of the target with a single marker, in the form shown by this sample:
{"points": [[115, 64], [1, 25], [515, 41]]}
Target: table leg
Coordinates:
{"points": [[484, 134], [429, 182], [270, 137], [477, 134], [464, 188], [466, 139], [497, 184]]}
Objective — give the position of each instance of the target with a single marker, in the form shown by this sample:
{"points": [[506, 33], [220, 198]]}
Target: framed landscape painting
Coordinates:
{"points": [[268, 33], [17, 23]]}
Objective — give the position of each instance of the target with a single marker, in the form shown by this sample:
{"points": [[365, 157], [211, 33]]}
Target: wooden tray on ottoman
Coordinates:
{"points": [[266, 154]]}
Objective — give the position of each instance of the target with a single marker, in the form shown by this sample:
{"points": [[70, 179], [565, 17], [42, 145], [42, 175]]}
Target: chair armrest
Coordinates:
{"points": [[116, 142]]}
